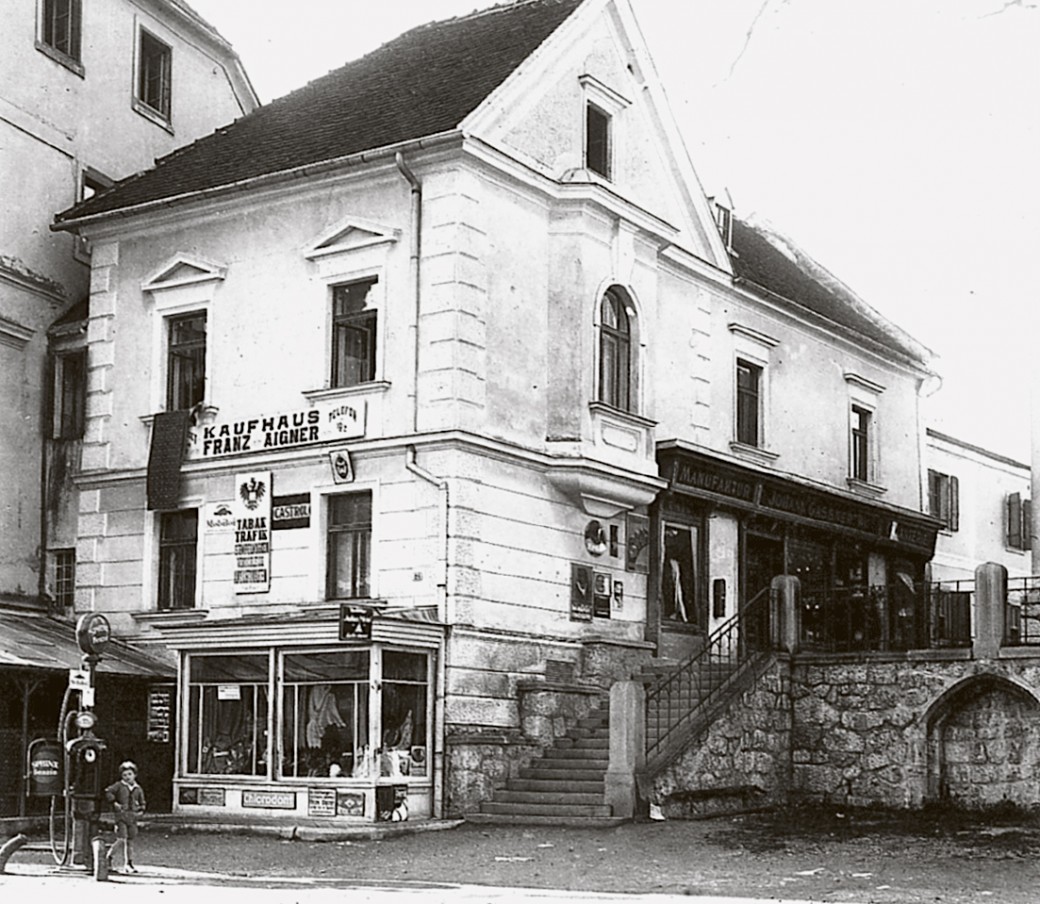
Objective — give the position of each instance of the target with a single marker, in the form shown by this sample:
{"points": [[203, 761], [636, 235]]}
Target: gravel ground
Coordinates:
{"points": [[863, 856]]}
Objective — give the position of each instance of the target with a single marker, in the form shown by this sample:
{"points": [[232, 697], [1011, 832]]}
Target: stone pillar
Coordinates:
{"points": [[991, 582], [785, 613], [627, 746]]}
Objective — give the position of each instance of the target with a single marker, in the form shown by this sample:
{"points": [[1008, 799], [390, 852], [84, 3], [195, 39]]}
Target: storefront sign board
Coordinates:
{"points": [[269, 800], [355, 622], [321, 801], [291, 512], [324, 422], [350, 803], [160, 705]]}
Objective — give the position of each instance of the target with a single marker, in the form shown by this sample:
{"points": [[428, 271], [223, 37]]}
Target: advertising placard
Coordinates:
{"points": [[252, 511], [160, 705], [581, 592], [291, 512]]}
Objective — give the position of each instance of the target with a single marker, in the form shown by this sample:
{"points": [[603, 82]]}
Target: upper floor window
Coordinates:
{"points": [[63, 578], [597, 140], [185, 361], [615, 351], [860, 444], [154, 70], [1019, 522], [178, 542], [70, 394], [60, 27], [349, 545], [353, 334], [749, 381], [943, 499]]}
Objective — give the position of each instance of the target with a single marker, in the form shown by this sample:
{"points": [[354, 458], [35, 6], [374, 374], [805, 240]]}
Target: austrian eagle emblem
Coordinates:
{"points": [[252, 491]]}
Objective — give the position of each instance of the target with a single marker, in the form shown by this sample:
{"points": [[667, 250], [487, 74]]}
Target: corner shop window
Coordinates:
{"points": [[227, 715], [404, 707]]}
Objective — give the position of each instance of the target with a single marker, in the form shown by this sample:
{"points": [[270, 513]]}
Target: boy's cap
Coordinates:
{"points": [[128, 764]]}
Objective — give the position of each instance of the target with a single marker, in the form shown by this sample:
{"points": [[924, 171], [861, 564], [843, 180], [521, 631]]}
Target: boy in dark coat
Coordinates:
{"points": [[127, 799]]}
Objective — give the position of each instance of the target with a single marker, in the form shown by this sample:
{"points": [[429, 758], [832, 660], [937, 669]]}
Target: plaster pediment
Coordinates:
{"points": [[183, 270], [351, 234]]}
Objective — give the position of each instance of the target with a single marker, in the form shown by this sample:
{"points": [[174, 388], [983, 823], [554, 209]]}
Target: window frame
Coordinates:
{"points": [[63, 425], [944, 499], [1018, 521], [365, 321], [63, 577], [749, 403], [861, 430], [174, 351], [354, 529], [166, 549], [91, 182], [608, 106], [598, 144], [622, 392], [152, 48], [863, 435], [66, 49]]}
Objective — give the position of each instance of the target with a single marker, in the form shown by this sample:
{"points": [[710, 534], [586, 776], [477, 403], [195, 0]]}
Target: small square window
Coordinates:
{"points": [[353, 335], [154, 67], [60, 26], [597, 140]]}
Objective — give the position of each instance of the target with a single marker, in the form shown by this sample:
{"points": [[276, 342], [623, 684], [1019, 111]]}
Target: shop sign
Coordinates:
{"points": [[219, 517], [581, 592], [79, 679], [269, 800], [160, 704], [291, 512], [252, 511], [322, 423], [342, 468], [202, 797], [321, 801], [355, 622], [350, 803]]}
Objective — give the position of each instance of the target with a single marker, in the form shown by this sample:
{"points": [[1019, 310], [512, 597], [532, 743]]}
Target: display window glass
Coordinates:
{"points": [[227, 715], [403, 709], [325, 714], [680, 592]]}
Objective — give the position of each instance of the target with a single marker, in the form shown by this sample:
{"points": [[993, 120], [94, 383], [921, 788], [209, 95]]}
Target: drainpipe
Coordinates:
{"points": [[437, 765], [414, 265]]}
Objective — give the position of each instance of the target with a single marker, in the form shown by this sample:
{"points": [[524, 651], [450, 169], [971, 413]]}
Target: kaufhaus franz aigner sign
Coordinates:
{"points": [[265, 433]]}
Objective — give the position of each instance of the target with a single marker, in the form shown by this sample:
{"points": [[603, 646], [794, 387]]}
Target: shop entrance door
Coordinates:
{"points": [[763, 561]]}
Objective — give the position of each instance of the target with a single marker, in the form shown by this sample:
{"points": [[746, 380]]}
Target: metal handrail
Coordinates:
{"points": [[1022, 612], [675, 700]]}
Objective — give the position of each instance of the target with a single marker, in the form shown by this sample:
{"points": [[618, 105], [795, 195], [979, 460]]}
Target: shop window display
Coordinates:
{"points": [[403, 749], [325, 715], [227, 712], [679, 592]]}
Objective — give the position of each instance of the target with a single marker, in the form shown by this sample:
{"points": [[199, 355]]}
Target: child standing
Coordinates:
{"points": [[127, 799]]}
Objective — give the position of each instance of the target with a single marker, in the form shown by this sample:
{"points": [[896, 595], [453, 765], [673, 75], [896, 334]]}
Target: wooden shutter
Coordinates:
{"points": [[955, 504], [1027, 524], [1014, 520]]}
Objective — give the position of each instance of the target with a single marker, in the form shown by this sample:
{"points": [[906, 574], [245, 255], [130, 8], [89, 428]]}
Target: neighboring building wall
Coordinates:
{"points": [[985, 480], [59, 119]]}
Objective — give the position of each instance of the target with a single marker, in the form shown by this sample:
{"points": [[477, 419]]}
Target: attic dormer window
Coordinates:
{"points": [[603, 109], [597, 140]]}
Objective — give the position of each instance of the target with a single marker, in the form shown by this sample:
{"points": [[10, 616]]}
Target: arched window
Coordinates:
{"points": [[615, 351]]}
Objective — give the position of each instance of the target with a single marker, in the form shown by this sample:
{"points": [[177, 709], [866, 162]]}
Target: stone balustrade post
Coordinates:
{"points": [[991, 582], [785, 613], [627, 746]]}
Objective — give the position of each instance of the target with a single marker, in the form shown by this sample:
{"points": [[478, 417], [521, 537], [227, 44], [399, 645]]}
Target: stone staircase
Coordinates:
{"points": [[564, 786]]}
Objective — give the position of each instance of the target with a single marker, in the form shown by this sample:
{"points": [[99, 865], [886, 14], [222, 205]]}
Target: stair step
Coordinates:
{"points": [[509, 795], [571, 774], [577, 753], [556, 785], [582, 744], [534, 809], [576, 822]]}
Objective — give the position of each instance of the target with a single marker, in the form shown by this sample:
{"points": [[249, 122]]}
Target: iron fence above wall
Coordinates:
{"points": [[895, 617], [1022, 612]]}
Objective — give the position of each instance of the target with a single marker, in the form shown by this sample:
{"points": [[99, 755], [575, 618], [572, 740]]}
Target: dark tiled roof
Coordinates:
{"points": [[422, 83], [774, 263]]}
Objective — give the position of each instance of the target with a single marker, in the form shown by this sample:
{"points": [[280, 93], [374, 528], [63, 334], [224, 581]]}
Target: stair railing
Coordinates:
{"points": [[676, 700]]}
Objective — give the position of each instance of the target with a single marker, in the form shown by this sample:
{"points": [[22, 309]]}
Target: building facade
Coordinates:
{"points": [[983, 500], [89, 93], [469, 389]]}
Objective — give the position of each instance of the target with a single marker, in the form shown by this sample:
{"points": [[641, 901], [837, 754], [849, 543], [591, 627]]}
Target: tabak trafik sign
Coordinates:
{"points": [[252, 513], [324, 422]]}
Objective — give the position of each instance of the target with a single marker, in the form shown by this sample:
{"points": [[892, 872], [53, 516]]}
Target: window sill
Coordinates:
{"points": [[619, 413], [170, 616], [754, 453], [337, 392], [863, 488], [152, 115], [62, 59], [1015, 551]]}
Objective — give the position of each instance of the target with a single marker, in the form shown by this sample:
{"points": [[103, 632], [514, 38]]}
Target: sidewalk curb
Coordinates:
{"points": [[289, 832]]}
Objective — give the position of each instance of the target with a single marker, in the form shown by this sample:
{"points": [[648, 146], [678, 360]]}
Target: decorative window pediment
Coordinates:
{"points": [[183, 270], [351, 235]]}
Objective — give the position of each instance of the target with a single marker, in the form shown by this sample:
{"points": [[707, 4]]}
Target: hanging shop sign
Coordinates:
{"points": [[355, 622], [291, 512], [252, 510], [342, 468], [322, 423]]}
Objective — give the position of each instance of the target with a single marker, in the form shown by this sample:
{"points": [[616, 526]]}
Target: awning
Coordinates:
{"points": [[35, 641]]}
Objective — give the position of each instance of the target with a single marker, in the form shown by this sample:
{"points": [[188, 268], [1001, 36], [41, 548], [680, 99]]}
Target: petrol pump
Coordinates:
{"points": [[72, 767]]}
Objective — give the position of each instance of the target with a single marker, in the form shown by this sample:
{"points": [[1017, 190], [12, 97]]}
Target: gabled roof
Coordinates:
{"points": [[766, 260], [423, 83]]}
